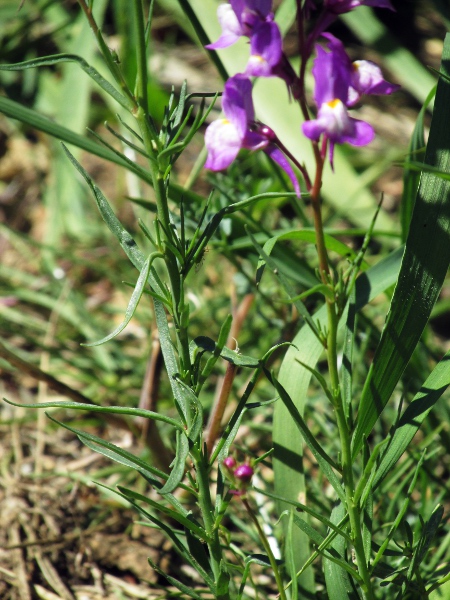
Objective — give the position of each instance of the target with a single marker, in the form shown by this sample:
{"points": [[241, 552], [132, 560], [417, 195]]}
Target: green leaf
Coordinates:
{"points": [[429, 531], [325, 462], [347, 355], [209, 345], [327, 550], [337, 580], [411, 177], [288, 467], [64, 58], [116, 410], [286, 285], [14, 110], [184, 589], [114, 452], [424, 266], [183, 518], [309, 236], [177, 473], [413, 417], [134, 301]]}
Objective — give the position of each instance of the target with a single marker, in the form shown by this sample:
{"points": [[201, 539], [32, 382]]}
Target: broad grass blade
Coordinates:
{"points": [[413, 417], [338, 582], [424, 266]]}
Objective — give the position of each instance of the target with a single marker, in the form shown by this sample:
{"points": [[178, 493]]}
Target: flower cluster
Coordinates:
{"points": [[339, 84], [225, 137]]}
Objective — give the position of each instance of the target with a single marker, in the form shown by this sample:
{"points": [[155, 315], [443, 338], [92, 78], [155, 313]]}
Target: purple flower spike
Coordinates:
{"points": [[332, 9], [334, 77], [225, 137]]}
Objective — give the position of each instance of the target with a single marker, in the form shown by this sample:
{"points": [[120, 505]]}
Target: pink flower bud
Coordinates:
{"points": [[229, 462], [244, 473]]}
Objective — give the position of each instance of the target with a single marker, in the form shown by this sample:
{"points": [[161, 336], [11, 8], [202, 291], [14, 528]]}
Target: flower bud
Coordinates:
{"points": [[244, 473], [229, 462]]}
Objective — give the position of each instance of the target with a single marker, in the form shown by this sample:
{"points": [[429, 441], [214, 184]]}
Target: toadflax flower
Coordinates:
{"points": [[338, 7], [241, 18], [339, 85], [239, 129], [332, 9]]}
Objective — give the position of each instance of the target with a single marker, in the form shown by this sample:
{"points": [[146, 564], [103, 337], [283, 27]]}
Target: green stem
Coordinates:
{"points": [[331, 348], [151, 146], [206, 508], [112, 64], [141, 56], [267, 548]]}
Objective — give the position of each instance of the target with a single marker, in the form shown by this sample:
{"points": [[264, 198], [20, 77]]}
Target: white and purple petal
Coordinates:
{"points": [[334, 121], [367, 78], [237, 102], [231, 28], [332, 72], [223, 142], [266, 49]]}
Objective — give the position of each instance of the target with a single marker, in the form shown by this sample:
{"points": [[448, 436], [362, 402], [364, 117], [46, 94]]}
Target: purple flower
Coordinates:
{"points": [[333, 77], [225, 137], [338, 7], [266, 50], [368, 79], [240, 17], [332, 9]]}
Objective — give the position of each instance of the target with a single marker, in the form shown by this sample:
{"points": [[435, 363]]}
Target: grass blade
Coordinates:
{"points": [[424, 266]]}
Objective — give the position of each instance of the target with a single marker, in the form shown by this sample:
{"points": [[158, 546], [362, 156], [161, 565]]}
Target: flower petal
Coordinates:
{"points": [[266, 50], [277, 156], [237, 102], [223, 142], [367, 78], [231, 28]]}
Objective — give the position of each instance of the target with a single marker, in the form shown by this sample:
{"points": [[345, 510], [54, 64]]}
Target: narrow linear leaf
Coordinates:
{"points": [[428, 533], [30, 117], [207, 344], [116, 410], [304, 508], [182, 518], [286, 285], [114, 452], [329, 552], [134, 301], [347, 358], [64, 58], [411, 178], [177, 473]]}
